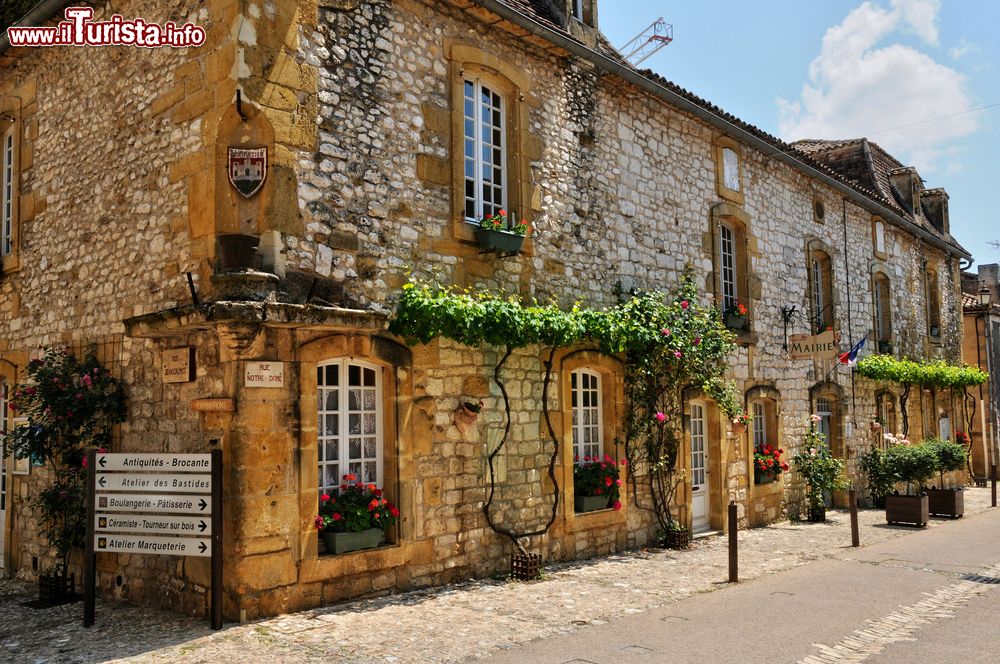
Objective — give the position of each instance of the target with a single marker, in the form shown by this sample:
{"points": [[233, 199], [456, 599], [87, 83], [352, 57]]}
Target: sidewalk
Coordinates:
{"points": [[457, 623]]}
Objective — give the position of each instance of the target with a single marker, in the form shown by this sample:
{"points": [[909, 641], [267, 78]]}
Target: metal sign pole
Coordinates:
{"points": [[89, 568], [216, 597]]}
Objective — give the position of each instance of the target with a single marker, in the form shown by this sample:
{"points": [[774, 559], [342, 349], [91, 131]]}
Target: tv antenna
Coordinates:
{"points": [[649, 41]]}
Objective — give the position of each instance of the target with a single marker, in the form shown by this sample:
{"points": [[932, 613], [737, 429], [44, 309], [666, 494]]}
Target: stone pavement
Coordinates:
{"points": [[452, 624]]}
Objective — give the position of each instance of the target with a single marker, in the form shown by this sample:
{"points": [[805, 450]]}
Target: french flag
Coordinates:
{"points": [[850, 358]]}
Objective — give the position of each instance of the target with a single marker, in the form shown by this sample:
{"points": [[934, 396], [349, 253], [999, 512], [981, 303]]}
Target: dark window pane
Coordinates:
{"points": [[354, 375]]}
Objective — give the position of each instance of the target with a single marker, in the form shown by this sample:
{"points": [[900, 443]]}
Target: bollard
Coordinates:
{"points": [[853, 497], [734, 574], [993, 484]]}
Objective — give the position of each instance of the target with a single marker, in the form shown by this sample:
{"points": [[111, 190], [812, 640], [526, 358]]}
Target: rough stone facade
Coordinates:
{"points": [[359, 104]]}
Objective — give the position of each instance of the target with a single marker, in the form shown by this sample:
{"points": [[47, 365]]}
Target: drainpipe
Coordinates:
{"points": [[38, 15], [675, 99]]}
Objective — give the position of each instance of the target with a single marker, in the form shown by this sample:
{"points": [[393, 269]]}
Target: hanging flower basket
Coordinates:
{"points": [[739, 428]]}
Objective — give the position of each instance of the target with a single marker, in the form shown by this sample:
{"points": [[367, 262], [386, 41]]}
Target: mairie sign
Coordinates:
{"points": [[813, 346], [174, 546]]}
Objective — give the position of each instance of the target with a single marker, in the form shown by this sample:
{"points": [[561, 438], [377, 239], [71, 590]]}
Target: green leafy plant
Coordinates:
{"points": [[598, 477], [818, 467], [879, 475], [913, 464], [950, 456], [70, 405], [356, 507]]}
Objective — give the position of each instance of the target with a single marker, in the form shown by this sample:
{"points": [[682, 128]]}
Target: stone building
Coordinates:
{"points": [[981, 348], [389, 126]]}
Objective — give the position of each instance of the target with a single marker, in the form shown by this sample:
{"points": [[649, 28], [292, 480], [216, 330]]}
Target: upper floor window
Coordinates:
{"points": [[729, 169], [350, 429], [933, 304], [578, 9], [821, 290], [727, 272], [882, 312], [7, 193], [878, 236], [485, 161], [759, 424], [585, 401]]}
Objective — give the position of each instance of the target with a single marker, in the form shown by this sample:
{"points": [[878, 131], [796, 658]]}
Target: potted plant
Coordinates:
{"points": [[820, 470], [767, 464], [497, 234], [596, 484], [947, 501], [737, 317], [878, 474], [741, 422], [912, 464], [70, 405], [356, 518], [675, 536]]}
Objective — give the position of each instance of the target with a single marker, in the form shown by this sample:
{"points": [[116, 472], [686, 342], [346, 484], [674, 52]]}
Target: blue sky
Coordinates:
{"points": [[839, 69]]}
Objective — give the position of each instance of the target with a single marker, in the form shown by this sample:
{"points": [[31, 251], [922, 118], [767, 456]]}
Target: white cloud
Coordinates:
{"points": [[962, 49], [862, 83]]}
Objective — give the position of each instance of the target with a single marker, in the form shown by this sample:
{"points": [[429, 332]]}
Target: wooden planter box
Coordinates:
{"points": [[344, 542], [500, 242], [946, 502], [525, 567], [56, 589], [590, 503], [907, 509]]}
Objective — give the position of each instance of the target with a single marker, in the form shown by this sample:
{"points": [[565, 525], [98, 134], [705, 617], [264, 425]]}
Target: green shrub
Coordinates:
{"points": [[820, 470], [913, 464], [878, 474], [950, 456]]}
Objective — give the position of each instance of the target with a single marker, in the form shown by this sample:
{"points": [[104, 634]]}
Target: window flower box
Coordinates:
{"points": [[344, 542], [763, 477], [499, 241], [590, 503], [596, 483]]}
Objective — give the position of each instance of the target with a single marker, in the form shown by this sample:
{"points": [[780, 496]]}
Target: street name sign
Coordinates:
{"points": [[174, 546], [264, 374]]}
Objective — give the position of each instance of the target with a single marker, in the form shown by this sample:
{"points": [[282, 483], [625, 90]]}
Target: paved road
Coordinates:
{"points": [[931, 597]]}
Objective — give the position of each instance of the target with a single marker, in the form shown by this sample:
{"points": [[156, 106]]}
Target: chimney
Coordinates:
{"points": [[990, 275], [906, 186], [935, 205]]}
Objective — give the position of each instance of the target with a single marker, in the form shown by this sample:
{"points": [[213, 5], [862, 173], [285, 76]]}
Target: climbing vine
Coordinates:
{"points": [[925, 373], [669, 343]]}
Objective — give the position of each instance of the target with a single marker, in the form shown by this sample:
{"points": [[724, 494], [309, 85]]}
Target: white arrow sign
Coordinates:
{"points": [[170, 546], [146, 502], [180, 463], [154, 482], [152, 523]]}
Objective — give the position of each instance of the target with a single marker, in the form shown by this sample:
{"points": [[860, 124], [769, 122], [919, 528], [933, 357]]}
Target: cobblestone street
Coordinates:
{"points": [[452, 624]]}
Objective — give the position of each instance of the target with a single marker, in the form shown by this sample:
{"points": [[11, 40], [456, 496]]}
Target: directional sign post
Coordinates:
{"points": [[159, 504]]}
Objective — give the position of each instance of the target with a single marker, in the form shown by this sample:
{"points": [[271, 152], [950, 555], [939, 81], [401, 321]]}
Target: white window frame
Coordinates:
{"points": [[342, 436], [476, 161], [882, 310], [727, 266], [759, 413], [697, 442], [730, 169], [7, 181], [588, 418], [817, 284]]}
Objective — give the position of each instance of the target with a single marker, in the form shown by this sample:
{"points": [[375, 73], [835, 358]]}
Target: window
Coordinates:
{"points": [[759, 424], [350, 428], [886, 411], [727, 274], [698, 461], [485, 161], [821, 290], [730, 169], [883, 315], [7, 194], [878, 232], [824, 409], [933, 304], [588, 431], [578, 9]]}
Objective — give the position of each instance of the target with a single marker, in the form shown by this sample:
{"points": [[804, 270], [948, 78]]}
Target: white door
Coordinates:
{"points": [[699, 470]]}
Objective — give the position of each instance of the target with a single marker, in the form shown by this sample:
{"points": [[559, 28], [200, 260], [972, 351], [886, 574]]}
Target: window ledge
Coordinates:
{"points": [[745, 337], [326, 555], [769, 489], [598, 518]]}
